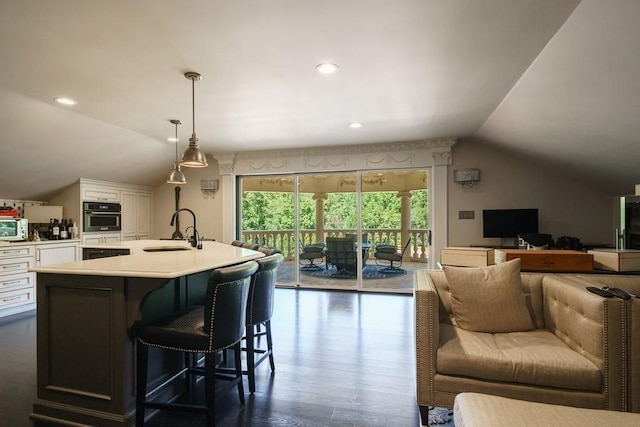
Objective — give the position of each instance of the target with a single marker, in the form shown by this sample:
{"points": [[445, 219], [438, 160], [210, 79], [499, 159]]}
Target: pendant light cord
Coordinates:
{"points": [[176, 142], [193, 104]]}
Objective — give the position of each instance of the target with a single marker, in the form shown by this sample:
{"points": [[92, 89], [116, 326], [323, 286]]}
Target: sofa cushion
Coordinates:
{"points": [[489, 299], [534, 357], [475, 410]]}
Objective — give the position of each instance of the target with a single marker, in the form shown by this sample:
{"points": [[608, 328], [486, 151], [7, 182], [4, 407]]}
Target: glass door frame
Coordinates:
{"points": [[358, 175]]}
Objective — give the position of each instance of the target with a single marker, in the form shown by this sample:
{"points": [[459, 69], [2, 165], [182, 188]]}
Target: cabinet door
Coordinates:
{"points": [[100, 194], [136, 215], [91, 240], [111, 238], [143, 215], [55, 254], [129, 214], [98, 239]]}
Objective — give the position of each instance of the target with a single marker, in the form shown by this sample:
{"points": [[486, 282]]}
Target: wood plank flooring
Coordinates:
{"points": [[342, 359]]}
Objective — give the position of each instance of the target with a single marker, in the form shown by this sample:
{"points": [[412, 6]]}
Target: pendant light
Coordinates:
{"points": [[193, 157], [176, 176]]}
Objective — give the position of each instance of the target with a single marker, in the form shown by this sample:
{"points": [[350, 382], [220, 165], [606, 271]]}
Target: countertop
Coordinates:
{"points": [[169, 264], [41, 242]]}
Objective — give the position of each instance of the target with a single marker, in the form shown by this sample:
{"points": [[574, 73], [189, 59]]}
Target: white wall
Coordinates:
{"points": [[566, 206], [208, 211]]}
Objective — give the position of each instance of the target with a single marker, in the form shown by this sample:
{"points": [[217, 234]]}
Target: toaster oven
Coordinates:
{"points": [[14, 229]]}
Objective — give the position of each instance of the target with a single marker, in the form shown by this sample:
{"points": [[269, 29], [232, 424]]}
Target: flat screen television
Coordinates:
{"points": [[506, 223]]}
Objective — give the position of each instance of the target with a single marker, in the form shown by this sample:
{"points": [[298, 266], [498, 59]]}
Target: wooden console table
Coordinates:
{"points": [[548, 260]]}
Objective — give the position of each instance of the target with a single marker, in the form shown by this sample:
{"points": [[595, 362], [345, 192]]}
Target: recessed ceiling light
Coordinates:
{"points": [[327, 68], [355, 125], [173, 139], [65, 101]]}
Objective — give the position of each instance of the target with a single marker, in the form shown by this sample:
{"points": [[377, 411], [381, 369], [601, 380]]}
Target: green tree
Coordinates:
{"points": [[275, 210], [419, 210], [340, 211]]}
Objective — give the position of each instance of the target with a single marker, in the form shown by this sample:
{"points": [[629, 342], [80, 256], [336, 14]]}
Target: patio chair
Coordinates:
{"points": [[387, 255], [309, 254], [341, 252]]}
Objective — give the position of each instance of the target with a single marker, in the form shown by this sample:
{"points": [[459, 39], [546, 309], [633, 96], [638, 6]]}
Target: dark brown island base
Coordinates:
{"points": [[87, 315]]}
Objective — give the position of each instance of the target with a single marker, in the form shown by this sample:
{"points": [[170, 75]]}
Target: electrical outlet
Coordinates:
{"points": [[466, 214]]}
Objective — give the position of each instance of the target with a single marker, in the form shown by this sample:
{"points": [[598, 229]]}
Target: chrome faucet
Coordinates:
{"points": [[194, 239]]}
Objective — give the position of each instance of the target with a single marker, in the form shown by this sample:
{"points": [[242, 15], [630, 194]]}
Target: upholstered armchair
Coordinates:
{"points": [[630, 284], [571, 353]]}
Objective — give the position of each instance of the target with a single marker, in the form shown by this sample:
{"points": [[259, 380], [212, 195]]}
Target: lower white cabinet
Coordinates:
{"points": [[56, 253], [17, 284], [97, 239]]}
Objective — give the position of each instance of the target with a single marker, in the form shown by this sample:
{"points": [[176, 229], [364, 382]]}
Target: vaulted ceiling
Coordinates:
{"points": [[554, 80]]}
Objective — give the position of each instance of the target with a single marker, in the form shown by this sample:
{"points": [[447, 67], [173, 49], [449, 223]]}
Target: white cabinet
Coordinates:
{"points": [[17, 284], [136, 215], [135, 200], [56, 253], [100, 193], [100, 238]]}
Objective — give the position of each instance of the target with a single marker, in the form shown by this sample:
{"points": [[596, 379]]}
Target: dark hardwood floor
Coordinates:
{"points": [[342, 359]]}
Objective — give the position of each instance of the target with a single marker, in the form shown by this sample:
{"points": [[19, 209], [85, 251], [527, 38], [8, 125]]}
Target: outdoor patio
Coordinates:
{"points": [[375, 282]]}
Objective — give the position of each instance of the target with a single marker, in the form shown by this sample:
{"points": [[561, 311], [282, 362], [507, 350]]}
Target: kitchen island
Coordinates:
{"points": [[87, 315]]}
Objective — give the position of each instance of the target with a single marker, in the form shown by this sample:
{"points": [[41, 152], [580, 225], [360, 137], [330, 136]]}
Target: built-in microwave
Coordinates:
{"points": [[14, 229], [101, 217]]}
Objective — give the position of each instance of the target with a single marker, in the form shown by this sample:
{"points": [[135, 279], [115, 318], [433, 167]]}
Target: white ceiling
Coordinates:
{"points": [[551, 79]]}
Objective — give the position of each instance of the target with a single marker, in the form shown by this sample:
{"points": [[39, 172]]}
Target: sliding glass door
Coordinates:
{"points": [[347, 230]]}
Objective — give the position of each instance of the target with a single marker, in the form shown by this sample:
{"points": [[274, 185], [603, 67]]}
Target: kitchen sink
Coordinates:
{"points": [[166, 248]]}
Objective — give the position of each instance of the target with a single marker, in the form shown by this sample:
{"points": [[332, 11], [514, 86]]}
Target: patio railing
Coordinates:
{"points": [[286, 241]]}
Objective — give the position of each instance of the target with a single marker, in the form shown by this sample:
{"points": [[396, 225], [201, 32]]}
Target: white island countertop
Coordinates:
{"points": [[5, 244], [158, 264]]}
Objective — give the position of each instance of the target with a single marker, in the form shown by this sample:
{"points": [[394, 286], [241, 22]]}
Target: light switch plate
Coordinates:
{"points": [[466, 214]]}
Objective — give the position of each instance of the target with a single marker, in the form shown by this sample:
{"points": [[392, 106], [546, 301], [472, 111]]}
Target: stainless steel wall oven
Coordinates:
{"points": [[101, 216]]}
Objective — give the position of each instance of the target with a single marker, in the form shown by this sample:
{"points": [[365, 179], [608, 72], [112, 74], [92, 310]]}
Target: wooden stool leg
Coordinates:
{"points": [[270, 345], [251, 361], [142, 356], [237, 350], [210, 387]]}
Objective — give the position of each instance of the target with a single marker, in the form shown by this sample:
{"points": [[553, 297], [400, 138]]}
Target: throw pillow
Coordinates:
{"points": [[489, 299]]}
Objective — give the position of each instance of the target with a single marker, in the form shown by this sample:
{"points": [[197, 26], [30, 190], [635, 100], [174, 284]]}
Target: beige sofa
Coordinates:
{"points": [[481, 410], [574, 356]]}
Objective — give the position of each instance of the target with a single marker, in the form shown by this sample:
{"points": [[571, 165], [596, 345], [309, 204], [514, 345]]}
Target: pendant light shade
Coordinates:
{"points": [[193, 157], [176, 176]]}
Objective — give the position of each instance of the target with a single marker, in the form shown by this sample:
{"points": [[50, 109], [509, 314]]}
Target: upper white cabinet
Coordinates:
{"points": [[100, 193], [136, 215]]}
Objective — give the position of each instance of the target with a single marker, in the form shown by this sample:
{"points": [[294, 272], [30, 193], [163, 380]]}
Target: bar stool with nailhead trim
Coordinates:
{"points": [[259, 312], [217, 325]]}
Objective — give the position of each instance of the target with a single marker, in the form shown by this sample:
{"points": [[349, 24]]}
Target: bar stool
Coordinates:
{"points": [[217, 325], [259, 312]]}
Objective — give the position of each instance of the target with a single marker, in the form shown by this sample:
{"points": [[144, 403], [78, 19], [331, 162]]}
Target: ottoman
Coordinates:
{"points": [[482, 410]]}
